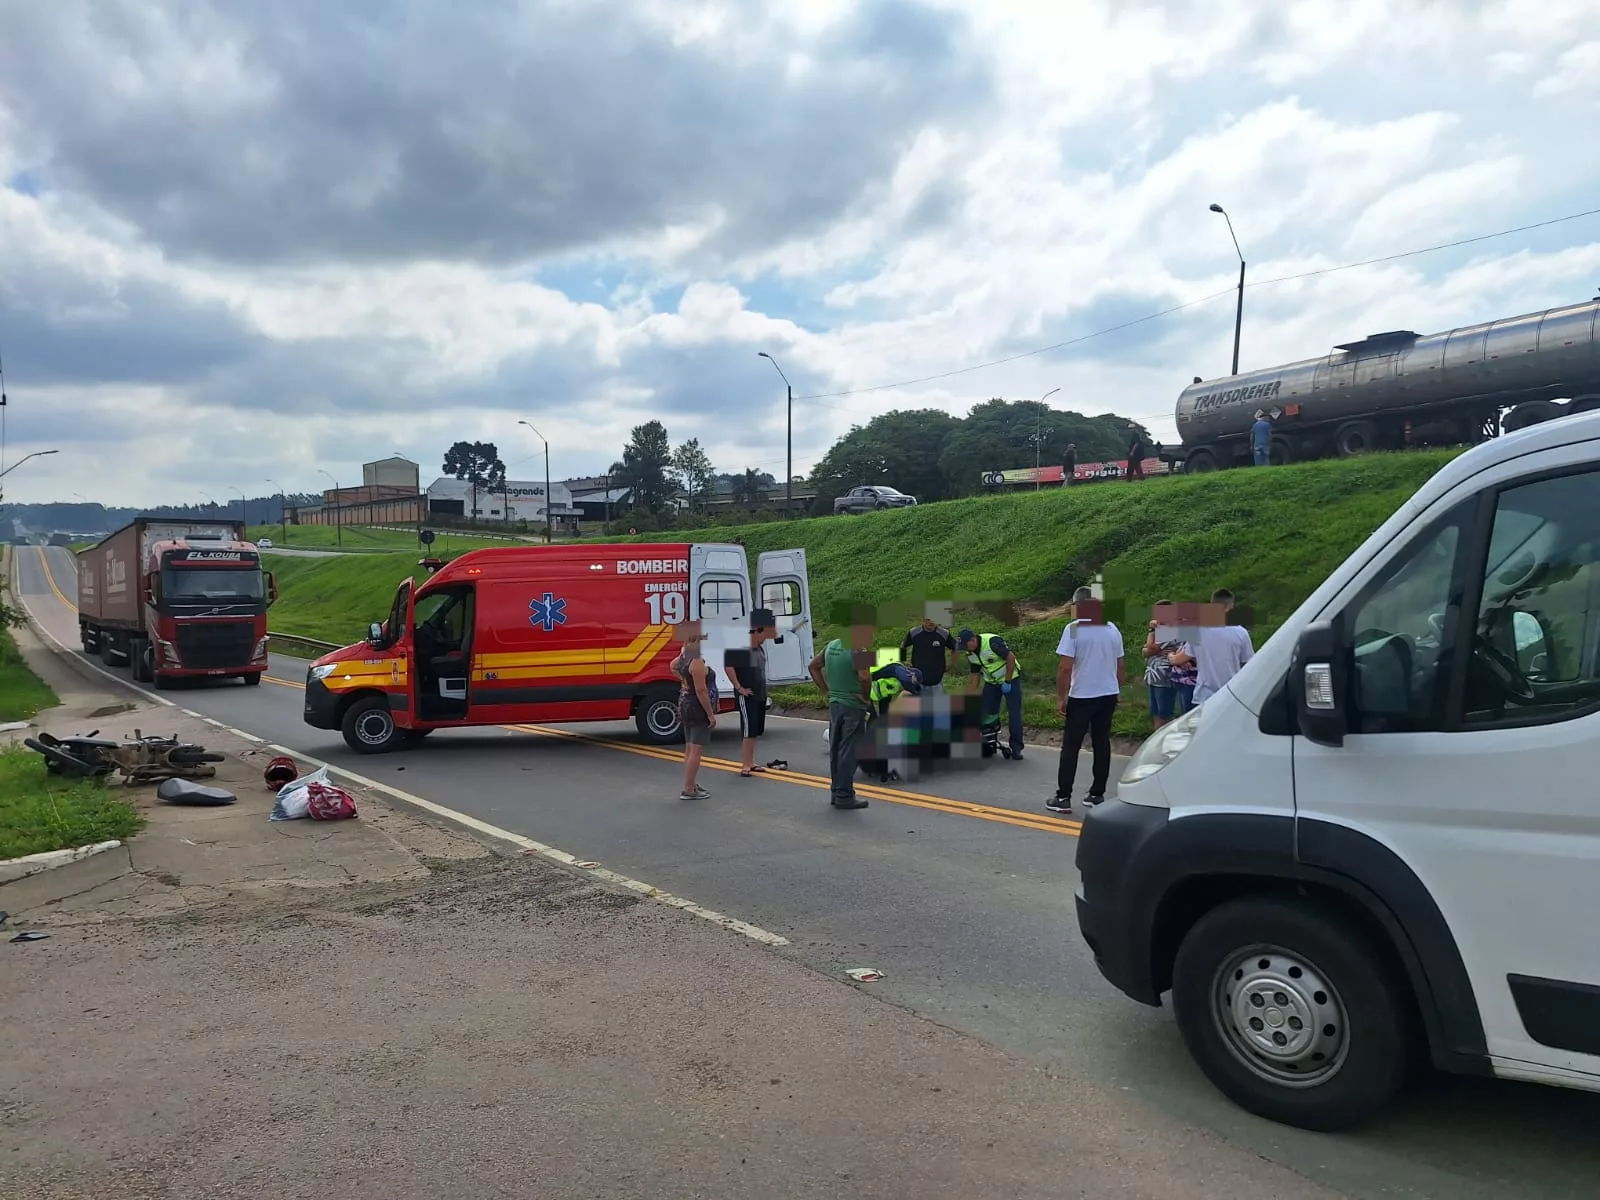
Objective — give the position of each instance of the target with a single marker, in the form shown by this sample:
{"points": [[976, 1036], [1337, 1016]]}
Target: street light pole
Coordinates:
{"points": [[788, 470], [283, 509], [549, 500], [338, 522], [1038, 434], [1238, 312], [25, 458]]}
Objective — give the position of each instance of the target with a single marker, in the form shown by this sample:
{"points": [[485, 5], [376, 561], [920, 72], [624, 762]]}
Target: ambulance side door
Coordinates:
{"points": [[783, 586], [719, 582], [641, 614]]}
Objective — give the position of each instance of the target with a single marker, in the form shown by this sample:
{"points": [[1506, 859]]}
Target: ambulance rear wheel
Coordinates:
{"points": [[369, 727], [657, 717]]}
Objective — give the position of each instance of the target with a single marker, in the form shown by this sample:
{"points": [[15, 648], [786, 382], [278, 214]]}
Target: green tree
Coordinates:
{"points": [[693, 473], [477, 463], [1000, 435], [646, 467], [748, 488], [899, 449]]}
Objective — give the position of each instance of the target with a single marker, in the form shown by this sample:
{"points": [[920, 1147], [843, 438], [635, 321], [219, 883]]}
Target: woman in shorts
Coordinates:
{"points": [[697, 708]]}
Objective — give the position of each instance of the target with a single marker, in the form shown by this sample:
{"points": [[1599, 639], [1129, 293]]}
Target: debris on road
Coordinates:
{"points": [[864, 974], [185, 791], [31, 935], [313, 796]]}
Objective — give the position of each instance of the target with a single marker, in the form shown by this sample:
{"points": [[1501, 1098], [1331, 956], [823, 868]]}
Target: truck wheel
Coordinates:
{"points": [[141, 662], [108, 652], [1355, 437], [87, 636], [1199, 461], [1282, 451], [1292, 1014], [251, 680], [369, 727], [657, 717]]}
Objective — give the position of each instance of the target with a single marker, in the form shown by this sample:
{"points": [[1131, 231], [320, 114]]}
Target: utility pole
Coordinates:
{"points": [[283, 509], [1238, 312], [788, 470]]}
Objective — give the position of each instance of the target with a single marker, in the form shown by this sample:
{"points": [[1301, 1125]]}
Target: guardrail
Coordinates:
{"points": [[295, 639]]}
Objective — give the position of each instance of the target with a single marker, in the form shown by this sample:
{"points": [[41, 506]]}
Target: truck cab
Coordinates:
{"points": [[533, 634], [1376, 845]]}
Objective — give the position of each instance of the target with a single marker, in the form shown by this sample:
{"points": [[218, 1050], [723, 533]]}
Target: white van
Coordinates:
{"points": [[1380, 843]]}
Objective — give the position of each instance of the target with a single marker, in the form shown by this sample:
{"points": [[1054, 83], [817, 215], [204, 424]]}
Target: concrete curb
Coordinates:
{"points": [[12, 869]]}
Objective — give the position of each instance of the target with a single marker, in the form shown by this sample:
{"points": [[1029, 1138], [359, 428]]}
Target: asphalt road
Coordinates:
{"points": [[958, 889]]}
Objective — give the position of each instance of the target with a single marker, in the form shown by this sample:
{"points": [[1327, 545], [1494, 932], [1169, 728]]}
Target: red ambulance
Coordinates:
{"points": [[560, 633]]}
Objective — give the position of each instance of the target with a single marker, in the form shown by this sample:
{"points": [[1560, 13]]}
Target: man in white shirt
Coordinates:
{"points": [[1088, 684], [1220, 652]]}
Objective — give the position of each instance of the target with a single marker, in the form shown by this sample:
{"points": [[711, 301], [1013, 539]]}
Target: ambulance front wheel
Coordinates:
{"points": [[657, 717], [369, 727]]}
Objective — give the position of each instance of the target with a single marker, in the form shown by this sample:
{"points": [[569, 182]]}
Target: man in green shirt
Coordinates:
{"points": [[843, 670]]}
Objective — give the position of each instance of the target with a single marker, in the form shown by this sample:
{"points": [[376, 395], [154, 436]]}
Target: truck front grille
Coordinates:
{"points": [[216, 644]]}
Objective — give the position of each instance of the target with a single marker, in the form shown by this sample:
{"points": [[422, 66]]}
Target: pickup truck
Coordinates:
{"points": [[865, 499]]}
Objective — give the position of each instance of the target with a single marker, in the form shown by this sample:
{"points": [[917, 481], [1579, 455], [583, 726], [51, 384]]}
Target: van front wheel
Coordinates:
{"points": [[1291, 1013], [369, 727]]}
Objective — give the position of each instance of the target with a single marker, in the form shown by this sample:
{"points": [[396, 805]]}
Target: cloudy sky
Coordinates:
{"points": [[242, 241]]}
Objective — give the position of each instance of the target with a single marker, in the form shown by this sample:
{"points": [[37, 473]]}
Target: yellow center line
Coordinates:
{"points": [[959, 808]]}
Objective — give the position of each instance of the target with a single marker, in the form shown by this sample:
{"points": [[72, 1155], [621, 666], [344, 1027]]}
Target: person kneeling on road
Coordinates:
{"points": [[888, 684], [993, 660]]}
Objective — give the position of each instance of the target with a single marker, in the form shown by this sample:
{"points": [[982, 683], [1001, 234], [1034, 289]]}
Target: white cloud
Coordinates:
{"points": [[1051, 179]]}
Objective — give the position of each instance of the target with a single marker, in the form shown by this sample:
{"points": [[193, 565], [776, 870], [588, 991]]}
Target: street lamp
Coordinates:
{"points": [[549, 500], [338, 523], [1238, 315], [1038, 434], [25, 458], [788, 473], [283, 508]]}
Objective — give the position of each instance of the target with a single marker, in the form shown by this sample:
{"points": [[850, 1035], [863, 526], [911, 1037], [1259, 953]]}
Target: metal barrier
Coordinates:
{"points": [[310, 643]]}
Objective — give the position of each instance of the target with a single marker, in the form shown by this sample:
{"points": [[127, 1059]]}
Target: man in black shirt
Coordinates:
{"points": [[929, 646]]}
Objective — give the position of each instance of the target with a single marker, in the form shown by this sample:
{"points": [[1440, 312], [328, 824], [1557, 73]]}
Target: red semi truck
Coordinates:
{"points": [[176, 599]]}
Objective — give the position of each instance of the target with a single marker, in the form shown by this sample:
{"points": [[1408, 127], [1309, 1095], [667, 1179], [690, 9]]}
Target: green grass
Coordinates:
{"points": [[1270, 535], [40, 812], [22, 693]]}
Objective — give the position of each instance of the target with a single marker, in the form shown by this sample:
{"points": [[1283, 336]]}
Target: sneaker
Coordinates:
{"points": [[1091, 800], [699, 793], [1059, 804], [1016, 756]]}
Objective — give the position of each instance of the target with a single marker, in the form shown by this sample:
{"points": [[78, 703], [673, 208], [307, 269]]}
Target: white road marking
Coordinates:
{"points": [[753, 932]]}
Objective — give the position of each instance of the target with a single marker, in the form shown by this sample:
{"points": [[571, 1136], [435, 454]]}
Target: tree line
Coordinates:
{"points": [[927, 453]]}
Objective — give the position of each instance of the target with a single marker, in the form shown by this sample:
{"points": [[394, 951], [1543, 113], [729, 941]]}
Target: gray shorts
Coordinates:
{"points": [[697, 735]]}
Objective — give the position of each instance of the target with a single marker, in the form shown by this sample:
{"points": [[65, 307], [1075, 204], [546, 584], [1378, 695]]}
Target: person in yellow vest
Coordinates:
{"points": [[993, 662]]}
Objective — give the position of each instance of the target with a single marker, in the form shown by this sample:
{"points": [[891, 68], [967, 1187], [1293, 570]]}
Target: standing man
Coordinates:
{"points": [[843, 671], [929, 647], [747, 675], [1069, 465], [992, 660], [1136, 456], [1221, 652], [1261, 440], [1088, 683]]}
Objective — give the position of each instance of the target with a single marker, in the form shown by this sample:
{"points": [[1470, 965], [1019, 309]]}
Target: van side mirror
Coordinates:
{"points": [[153, 586], [375, 634], [1319, 683], [272, 589]]}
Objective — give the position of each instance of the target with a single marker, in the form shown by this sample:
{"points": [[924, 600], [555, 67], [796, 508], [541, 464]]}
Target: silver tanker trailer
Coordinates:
{"points": [[1392, 390]]}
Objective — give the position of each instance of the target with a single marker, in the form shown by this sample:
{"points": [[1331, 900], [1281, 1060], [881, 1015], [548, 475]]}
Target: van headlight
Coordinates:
{"points": [[1162, 746], [323, 672]]}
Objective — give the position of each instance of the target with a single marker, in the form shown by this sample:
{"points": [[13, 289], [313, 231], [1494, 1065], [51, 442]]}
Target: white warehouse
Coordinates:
{"points": [[516, 501]]}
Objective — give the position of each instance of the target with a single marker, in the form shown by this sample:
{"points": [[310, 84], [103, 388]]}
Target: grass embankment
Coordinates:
{"points": [[1270, 535], [22, 693], [40, 812], [361, 539]]}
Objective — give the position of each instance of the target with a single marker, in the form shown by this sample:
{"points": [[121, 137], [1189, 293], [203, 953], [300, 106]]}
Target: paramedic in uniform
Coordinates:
{"points": [[993, 661]]}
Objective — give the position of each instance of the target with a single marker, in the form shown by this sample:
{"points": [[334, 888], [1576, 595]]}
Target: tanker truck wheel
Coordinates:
{"points": [[1282, 451], [1199, 461], [1355, 437]]}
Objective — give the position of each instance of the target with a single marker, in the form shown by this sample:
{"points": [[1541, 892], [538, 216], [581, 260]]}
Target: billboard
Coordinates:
{"points": [[1081, 473], [1024, 475]]}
